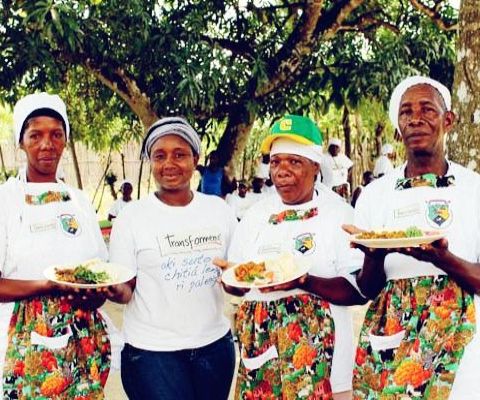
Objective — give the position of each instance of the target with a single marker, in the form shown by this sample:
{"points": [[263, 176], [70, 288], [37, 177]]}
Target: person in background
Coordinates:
{"points": [[384, 163], [367, 178], [214, 178], [336, 168], [421, 338], [179, 344], [126, 189], [296, 338], [53, 340], [257, 193], [240, 201], [263, 168]]}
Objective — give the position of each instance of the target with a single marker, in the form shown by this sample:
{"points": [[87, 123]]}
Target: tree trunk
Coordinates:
{"points": [[234, 139], [464, 141], [139, 184], [378, 137], [75, 162], [347, 131]]}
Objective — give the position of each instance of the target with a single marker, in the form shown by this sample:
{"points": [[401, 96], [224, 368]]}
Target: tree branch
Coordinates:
{"points": [[366, 22], [434, 14], [312, 27], [126, 87], [238, 48]]}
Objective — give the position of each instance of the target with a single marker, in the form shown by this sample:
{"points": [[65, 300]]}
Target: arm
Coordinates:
{"points": [[372, 278], [121, 293], [334, 290], [15, 289], [465, 273]]}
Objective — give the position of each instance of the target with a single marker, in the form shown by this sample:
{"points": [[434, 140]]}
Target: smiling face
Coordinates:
{"points": [[43, 142], [173, 163], [293, 177], [423, 121]]}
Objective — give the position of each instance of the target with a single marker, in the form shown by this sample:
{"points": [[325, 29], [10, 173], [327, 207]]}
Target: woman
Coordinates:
{"points": [[53, 343], [296, 341], [179, 344], [126, 189], [420, 336]]}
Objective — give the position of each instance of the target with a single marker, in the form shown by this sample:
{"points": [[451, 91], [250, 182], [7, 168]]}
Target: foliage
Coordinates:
{"points": [[213, 60]]}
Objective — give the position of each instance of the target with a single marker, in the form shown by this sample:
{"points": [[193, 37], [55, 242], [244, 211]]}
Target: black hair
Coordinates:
{"points": [[42, 112]]}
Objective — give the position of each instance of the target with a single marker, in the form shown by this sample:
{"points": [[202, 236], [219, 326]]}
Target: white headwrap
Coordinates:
{"points": [[171, 126], [286, 146], [407, 83], [387, 148], [36, 101], [335, 142]]}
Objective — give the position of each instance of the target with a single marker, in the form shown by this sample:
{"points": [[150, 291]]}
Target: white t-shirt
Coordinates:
{"points": [[319, 241], [117, 206], [454, 209], [240, 204], [177, 303], [383, 165], [262, 170], [335, 169]]}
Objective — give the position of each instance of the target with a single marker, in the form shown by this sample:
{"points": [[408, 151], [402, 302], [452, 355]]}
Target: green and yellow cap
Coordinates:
{"points": [[296, 128]]}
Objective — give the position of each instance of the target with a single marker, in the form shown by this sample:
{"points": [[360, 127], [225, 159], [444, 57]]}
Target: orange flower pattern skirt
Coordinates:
{"points": [[438, 320], [302, 330], [55, 352]]}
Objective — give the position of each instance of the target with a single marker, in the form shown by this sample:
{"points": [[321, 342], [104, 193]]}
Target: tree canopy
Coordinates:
{"points": [[221, 63]]}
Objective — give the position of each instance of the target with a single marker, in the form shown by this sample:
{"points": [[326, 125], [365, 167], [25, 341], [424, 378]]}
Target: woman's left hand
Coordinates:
{"points": [[295, 284], [433, 252], [85, 299]]}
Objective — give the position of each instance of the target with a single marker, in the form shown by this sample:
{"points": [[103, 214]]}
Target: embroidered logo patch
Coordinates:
{"points": [[438, 213], [304, 243], [69, 224]]}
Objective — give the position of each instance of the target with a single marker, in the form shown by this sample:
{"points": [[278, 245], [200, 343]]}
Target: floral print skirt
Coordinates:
{"points": [[55, 352], [301, 330], [413, 339]]}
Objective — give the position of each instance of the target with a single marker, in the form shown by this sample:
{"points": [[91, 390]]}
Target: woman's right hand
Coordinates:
{"points": [[234, 291]]}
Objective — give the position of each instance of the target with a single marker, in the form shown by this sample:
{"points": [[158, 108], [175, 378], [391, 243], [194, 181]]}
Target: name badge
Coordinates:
{"points": [[185, 242], [407, 211], [45, 226], [271, 248]]}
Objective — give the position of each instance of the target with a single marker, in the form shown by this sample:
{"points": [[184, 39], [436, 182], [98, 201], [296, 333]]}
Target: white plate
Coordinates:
{"points": [[398, 242], [118, 274], [228, 277]]}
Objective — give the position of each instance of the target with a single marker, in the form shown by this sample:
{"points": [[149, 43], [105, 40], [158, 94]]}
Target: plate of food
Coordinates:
{"points": [[266, 273], [90, 274], [384, 239]]}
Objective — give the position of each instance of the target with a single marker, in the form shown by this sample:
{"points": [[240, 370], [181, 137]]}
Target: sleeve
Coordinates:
{"points": [[241, 239], [231, 221], [349, 261], [122, 242], [3, 240], [97, 233], [114, 209], [347, 162], [362, 210]]}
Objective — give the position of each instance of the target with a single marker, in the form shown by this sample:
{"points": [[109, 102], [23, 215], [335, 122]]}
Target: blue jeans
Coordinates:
{"points": [[204, 373]]}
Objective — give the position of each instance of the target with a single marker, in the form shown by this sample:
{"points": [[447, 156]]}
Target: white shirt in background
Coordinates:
{"points": [[335, 169], [383, 165], [177, 303], [117, 206]]}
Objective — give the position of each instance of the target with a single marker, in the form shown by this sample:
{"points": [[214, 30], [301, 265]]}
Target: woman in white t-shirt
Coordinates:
{"points": [[126, 189], [53, 343], [420, 338], [179, 344], [296, 340]]}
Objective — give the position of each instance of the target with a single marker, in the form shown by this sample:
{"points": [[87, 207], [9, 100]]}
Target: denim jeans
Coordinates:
{"points": [[204, 373]]}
